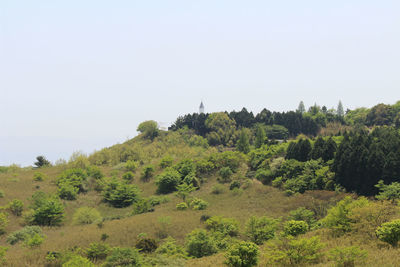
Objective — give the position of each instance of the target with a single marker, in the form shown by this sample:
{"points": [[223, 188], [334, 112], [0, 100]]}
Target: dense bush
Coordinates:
{"points": [[166, 162], [295, 228], [24, 234], [225, 174], [303, 214], [348, 256], [67, 191], [86, 215], [34, 241], [78, 261], [128, 176], [243, 254], [95, 172], [123, 257], [225, 226], [48, 211], [234, 184], [389, 232], [182, 206], [168, 181], [142, 206], [38, 176], [199, 243], [171, 249], [260, 229], [388, 192], [16, 207], [131, 166], [146, 245], [120, 194], [75, 177], [295, 252], [98, 251], [148, 172], [198, 204]]}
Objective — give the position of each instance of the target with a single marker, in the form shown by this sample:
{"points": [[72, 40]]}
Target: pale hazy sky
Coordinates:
{"points": [[81, 75]]}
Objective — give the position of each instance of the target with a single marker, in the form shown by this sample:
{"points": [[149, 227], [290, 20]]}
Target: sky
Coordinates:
{"points": [[81, 75]]}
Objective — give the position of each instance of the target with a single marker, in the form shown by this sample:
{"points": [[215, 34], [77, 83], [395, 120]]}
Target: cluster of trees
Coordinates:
{"points": [[363, 159], [303, 150]]}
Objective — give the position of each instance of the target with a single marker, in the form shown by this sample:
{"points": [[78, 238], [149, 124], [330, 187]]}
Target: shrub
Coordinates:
{"points": [[157, 200], [78, 261], [295, 228], [149, 129], [199, 243], [260, 229], [38, 176], [16, 207], [76, 177], [86, 215], [217, 189], [225, 226], [166, 162], [338, 217], [303, 214], [49, 212], [146, 245], [243, 254], [388, 192], [185, 167], [348, 256], [225, 174], [148, 172], [67, 191], [123, 257], [171, 249], [264, 176], [98, 251], [95, 172], [3, 251], [34, 241], [234, 184], [168, 181], [24, 234], [128, 176], [131, 166], [182, 206], [3, 222], [295, 252], [389, 232], [119, 194], [142, 206], [198, 204]]}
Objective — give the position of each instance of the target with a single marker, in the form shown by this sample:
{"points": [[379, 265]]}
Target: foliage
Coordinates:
{"points": [[338, 218], [222, 129], [184, 190], [149, 129], [168, 181], [24, 234], [198, 204], [225, 174], [16, 207], [166, 162], [148, 172], [95, 172], [217, 189], [86, 215], [3, 251], [243, 143], [389, 232], [171, 249], [146, 245], [276, 132], [119, 194], [142, 206], [260, 229], [348, 256], [123, 257], [295, 252], [130, 166], [38, 176], [234, 184], [225, 226], [388, 192], [199, 243], [128, 176], [34, 241], [67, 190], [98, 251], [73, 177], [303, 214], [243, 254], [78, 261], [295, 228], [48, 211], [182, 206], [42, 162]]}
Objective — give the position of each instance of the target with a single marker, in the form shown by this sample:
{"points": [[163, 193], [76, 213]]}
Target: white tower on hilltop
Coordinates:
{"points": [[201, 108]]}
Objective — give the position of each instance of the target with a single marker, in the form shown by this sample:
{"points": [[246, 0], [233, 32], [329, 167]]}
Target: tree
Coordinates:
{"points": [[42, 162], [388, 192], [149, 129], [168, 181], [243, 254], [340, 111], [200, 243], [301, 109], [389, 232], [50, 212], [295, 228], [243, 144], [221, 127], [260, 229], [121, 195], [260, 136]]}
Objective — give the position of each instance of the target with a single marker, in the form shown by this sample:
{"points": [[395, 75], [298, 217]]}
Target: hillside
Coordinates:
{"points": [[157, 188]]}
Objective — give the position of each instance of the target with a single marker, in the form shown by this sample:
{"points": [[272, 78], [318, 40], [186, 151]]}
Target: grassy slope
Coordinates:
{"points": [[256, 200]]}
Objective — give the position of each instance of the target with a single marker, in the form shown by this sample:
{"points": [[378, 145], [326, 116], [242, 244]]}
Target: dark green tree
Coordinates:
{"points": [[42, 162], [243, 144]]}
